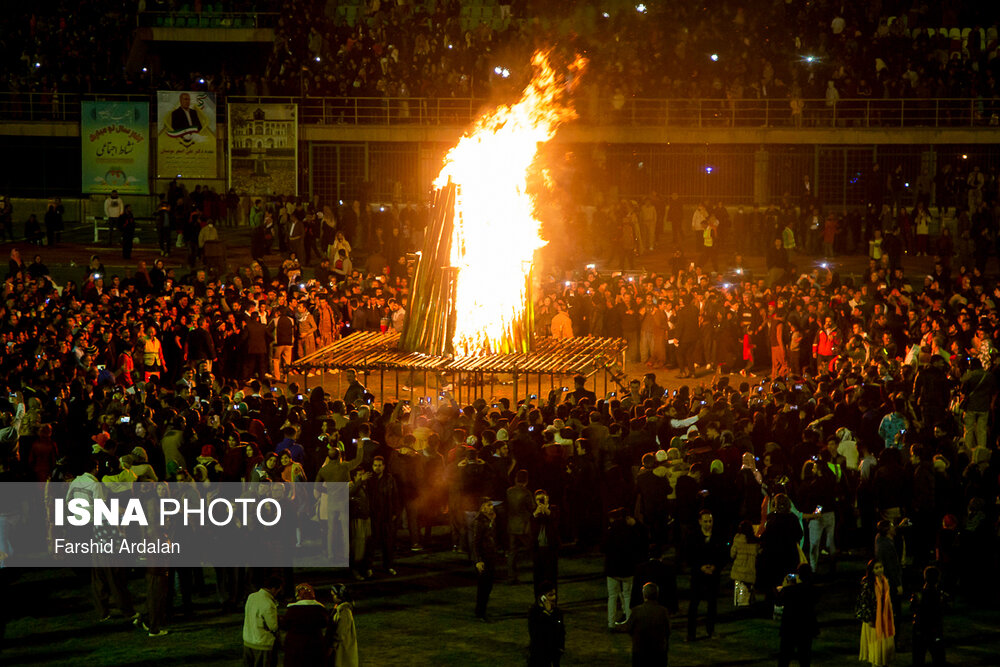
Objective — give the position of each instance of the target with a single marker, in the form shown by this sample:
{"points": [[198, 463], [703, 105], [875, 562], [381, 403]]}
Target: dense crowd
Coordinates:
{"points": [[823, 51], [830, 411]]}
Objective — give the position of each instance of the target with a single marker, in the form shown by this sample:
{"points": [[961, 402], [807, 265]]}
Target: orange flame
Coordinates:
{"points": [[496, 232]]}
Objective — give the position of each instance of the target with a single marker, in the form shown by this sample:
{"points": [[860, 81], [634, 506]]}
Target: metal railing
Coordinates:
{"points": [[207, 19], [650, 113]]}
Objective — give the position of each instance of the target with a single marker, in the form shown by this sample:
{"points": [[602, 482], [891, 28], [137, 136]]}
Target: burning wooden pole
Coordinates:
{"points": [[429, 313]]}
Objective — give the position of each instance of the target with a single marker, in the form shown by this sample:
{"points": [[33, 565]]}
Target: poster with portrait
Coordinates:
{"points": [[114, 152], [186, 135], [263, 149]]}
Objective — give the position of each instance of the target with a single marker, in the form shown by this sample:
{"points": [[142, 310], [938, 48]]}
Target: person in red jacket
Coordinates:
{"points": [[827, 344]]}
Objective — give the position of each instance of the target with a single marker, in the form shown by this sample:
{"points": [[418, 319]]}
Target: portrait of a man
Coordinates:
{"points": [[184, 117]]}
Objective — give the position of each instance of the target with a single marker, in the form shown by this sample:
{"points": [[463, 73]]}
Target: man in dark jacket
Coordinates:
{"points": [[798, 619], [931, 390], [546, 630], [483, 545], [978, 387], [706, 556], [284, 342], [649, 626], [777, 263], [687, 333], [650, 389], [581, 392], [922, 501], [201, 345], [355, 394], [255, 341], [624, 547], [928, 621], [545, 541], [383, 495], [520, 506], [653, 494]]}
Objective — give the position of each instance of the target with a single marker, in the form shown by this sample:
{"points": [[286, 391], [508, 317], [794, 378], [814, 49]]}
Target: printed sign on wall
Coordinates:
{"points": [[263, 143], [186, 135], [114, 138]]}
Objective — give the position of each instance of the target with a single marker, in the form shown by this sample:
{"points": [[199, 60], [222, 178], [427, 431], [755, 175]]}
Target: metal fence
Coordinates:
{"points": [[395, 111]]}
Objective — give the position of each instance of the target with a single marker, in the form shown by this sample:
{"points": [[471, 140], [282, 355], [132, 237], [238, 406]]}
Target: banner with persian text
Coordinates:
{"points": [[114, 139], [186, 135], [263, 149]]}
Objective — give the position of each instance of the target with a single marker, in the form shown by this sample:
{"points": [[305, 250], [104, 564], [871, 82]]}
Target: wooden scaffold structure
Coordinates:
{"points": [[597, 359], [426, 344]]}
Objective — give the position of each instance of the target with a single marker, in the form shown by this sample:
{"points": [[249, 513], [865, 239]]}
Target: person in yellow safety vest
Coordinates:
{"points": [[875, 246], [708, 238], [788, 237]]}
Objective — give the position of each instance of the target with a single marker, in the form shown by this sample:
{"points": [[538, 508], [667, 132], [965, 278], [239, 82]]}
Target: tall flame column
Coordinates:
{"points": [[486, 227]]}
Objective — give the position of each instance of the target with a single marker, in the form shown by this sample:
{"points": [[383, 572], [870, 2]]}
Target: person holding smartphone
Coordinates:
{"points": [[817, 497], [799, 626], [546, 630], [545, 542]]}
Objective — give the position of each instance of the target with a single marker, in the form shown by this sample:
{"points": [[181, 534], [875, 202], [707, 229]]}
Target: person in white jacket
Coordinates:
{"points": [[113, 209], [260, 625]]}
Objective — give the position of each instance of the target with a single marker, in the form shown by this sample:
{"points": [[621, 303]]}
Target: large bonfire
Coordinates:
{"points": [[496, 230]]}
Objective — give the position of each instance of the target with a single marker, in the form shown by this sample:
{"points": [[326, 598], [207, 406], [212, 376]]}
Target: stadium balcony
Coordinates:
{"points": [[862, 121], [167, 28], [208, 19]]}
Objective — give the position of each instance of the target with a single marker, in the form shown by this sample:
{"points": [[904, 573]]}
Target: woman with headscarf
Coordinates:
{"points": [[234, 457], [304, 623], [258, 432], [94, 267], [339, 243], [291, 471], [744, 552], [341, 635], [272, 468], [253, 463], [874, 609]]}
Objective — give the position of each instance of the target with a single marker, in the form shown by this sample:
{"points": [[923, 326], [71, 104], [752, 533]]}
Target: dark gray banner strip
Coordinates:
{"points": [[159, 524]]}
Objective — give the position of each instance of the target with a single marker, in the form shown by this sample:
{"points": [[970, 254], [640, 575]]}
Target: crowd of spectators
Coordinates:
{"points": [[792, 50], [822, 51], [826, 407], [402, 51]]}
